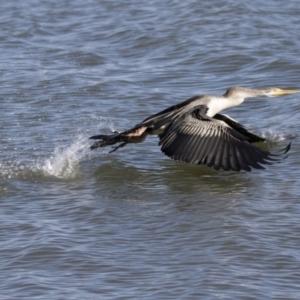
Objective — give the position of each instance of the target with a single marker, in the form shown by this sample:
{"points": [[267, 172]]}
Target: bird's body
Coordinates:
{"points": [[193, 131]]}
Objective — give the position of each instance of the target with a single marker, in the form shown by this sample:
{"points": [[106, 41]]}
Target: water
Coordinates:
{"points": [[134, 224]]}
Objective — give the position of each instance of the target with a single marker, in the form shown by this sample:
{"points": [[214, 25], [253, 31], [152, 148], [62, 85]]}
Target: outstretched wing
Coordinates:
{"points": [[252, 138], [198, 139]]}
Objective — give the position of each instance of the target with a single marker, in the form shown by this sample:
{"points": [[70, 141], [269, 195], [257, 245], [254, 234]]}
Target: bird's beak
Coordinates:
{"points": [[280, 92]]}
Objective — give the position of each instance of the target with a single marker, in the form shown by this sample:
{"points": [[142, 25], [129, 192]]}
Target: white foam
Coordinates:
{"points": [[273, 136], [64, 162]]}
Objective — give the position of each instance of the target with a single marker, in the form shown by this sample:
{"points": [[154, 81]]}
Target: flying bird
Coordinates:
{"points": [[195, 132]]}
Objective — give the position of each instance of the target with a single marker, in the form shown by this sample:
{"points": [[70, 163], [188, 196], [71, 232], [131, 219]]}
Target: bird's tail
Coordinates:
{"points": [[105, 140], [134, 135]]}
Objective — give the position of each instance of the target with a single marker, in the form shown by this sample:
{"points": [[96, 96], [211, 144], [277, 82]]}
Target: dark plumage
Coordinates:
{"points": [[194, 132]]}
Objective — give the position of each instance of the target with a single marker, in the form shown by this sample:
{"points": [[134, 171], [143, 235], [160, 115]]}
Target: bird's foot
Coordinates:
{"points": [[117, 147]]}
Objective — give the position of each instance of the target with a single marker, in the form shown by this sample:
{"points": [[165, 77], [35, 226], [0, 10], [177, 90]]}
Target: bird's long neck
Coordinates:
{"points": [[218, 104]]}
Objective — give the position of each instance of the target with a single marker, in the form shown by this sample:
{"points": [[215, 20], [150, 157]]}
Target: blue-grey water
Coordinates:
{"points": [[77, 224]]}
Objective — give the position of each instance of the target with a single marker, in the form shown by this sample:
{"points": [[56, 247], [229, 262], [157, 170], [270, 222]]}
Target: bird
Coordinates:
{"points": [[195, 132]]}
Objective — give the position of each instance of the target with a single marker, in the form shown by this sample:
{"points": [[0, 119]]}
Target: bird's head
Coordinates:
{"points": [[275, 92], [241, 93]]}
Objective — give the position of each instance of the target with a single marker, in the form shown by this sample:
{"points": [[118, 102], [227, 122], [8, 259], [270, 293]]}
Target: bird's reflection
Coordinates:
{"points": [[169, 177]]}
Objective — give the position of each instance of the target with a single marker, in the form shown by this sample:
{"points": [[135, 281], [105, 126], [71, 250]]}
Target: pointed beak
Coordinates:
{"points": [[280, 92]]}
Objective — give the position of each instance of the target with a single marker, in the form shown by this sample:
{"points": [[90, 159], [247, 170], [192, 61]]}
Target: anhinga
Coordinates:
{"points": [[193, 131]]}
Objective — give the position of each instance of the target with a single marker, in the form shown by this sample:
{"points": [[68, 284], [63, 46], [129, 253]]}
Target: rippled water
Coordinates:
{"points": [[77, 224]]}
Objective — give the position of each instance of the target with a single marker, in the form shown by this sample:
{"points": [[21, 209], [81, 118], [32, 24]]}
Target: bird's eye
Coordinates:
{"points": [[269, 92]]}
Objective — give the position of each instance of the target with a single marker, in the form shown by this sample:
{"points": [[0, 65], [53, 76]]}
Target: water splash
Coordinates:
{"points": [[64, 162], [273, 136]]}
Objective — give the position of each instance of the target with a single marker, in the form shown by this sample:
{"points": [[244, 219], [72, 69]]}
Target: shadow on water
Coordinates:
{"points": [[188, 178], [172, 177]]}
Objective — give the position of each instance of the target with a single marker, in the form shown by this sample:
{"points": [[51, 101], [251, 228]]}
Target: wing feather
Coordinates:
{"points": [[224, 156], [211, 157], [194, 151], [188, 147], [233, 160], [219, 153], [199, 139], [204, 150], [242, 159], [202, 145], [252, 138]]}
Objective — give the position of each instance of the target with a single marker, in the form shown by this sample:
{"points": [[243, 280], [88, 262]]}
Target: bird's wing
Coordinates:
{"points": [[167, 114], [198, 139], [252, 138]]}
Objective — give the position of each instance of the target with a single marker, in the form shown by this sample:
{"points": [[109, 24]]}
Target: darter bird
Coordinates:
{"points": [[195, 132]]}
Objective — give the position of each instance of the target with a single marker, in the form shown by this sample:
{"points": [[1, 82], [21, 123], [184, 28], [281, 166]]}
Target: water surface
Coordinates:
{"points": [[77, 224]]}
